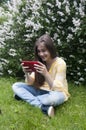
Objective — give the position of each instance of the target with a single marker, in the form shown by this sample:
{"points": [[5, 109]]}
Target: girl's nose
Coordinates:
{"points": [[41, 54]]}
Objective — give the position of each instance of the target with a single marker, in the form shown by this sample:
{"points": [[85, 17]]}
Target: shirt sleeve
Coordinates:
{"points": [[60, 77]]}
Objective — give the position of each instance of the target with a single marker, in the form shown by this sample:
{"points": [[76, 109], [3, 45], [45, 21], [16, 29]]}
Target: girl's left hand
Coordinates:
{"points": [[41, 68]]}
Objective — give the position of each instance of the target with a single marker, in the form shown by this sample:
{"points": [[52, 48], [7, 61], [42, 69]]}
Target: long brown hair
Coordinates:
{"points": [[48, 42]]}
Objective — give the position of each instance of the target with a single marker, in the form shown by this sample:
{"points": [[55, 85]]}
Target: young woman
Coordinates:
{"points": [[47, 87]]}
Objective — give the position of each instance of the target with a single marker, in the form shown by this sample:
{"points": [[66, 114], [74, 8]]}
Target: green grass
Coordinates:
{"points": [[19, 115]]}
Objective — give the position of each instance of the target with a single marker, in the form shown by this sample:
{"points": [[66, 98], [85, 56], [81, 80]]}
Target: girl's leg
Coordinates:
{"points": [[28, 93], [53, 98], [40, 98]]}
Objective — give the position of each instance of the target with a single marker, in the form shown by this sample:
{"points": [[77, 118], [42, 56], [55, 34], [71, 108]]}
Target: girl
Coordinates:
{"points": [[47, 87]]}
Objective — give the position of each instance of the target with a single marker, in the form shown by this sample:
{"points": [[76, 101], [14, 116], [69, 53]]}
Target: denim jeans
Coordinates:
{"points": [[38, 97]]}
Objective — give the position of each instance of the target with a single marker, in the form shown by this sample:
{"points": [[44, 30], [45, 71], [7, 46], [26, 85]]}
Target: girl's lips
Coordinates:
{"points": [[43, 58]]}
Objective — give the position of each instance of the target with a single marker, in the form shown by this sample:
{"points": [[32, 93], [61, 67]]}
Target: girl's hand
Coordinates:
{"points": [[41, 68], [25, 69]]}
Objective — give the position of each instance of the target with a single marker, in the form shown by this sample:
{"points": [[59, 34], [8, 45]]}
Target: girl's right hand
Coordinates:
{"points": [[25, 69]]}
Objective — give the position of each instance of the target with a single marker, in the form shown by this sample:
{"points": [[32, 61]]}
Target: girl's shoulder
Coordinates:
{"points": [[61, 61]]}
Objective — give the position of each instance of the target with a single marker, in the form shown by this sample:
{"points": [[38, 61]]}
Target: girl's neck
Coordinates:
{"points": [[50, 62]]}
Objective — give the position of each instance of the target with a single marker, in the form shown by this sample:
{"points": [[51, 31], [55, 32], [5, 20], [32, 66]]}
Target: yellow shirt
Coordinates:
{"points": [[58, 74]]}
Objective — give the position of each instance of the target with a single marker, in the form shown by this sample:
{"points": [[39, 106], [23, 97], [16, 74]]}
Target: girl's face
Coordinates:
{"points": [[43, 52]]}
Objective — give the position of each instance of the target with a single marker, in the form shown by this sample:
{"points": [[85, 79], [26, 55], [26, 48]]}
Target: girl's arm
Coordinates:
{"points": [[56, 81], [43, 70], [29, 78]]}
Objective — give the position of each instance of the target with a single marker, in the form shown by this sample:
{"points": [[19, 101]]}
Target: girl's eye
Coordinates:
{"points": [[41, 51], [38, 51]]}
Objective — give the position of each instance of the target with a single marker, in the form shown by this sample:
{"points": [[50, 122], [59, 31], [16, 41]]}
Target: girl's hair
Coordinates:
{"points": [[48, 42]]}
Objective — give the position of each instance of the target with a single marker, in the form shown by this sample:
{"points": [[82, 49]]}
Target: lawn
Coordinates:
{"points": [[19, 115]]}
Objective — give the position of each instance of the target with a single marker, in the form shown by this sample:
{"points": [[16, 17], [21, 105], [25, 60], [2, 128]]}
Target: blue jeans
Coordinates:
{"points": [[38, 97]]}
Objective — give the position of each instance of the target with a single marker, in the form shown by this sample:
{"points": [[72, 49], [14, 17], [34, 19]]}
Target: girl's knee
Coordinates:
{"points": [[16, 85]]}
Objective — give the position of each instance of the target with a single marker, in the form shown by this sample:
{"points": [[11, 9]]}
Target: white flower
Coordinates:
{"points": [[77, 82], [64, 2], [63, 32], [80, 61], [85, 69], [78, 68], [58, 4], [72, 56], [37, 26], [1, 73], [60, 13], [12, 52], [28, 23], [76, 22], [79, 73], [81, 79], [71, 73], [67, 9], [47, 20], [49, 4], [55, 36], [81, 10], [3, 61], [75, 4], [9, 71], [49, 11], [63, 20], [53, 18], [59, 41], [80, 40], [70, 36]]}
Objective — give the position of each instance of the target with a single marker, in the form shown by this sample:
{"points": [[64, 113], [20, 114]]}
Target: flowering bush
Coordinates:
{"points": [[23, 21]]}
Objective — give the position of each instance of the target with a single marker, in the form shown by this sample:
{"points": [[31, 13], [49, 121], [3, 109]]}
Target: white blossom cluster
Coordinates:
{"points": [[34, 6], [5, 27]]}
